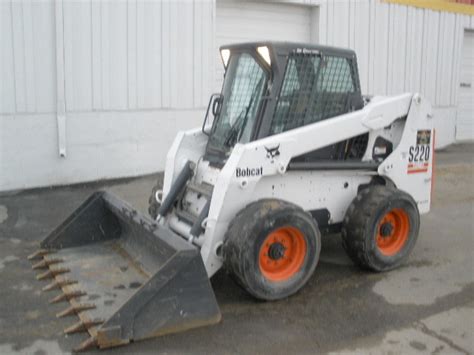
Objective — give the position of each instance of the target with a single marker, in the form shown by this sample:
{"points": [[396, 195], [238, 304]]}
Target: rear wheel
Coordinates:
{"points": [[380, 228], [272, 247]]}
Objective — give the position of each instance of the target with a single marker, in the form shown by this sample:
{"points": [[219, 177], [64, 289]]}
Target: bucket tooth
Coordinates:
{"points": [[75, 309], [82, 326], [67, 296], [87, 344], [39, 254], [51, 273], [43, 264], [58, 284]]}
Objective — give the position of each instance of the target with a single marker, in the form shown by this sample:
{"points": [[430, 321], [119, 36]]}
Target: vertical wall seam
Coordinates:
{"points": [[420, 75], [349, 40], [92, 60], [136, 56], [101, 64], [161, 53], [194, 55], [25, 82], [13, 56], [203, 88], [127, 46], [437, 62], [406, 50], [63, 53], [327, 23], [369, 48], [33, 77], [60, 78], [388, 51]]}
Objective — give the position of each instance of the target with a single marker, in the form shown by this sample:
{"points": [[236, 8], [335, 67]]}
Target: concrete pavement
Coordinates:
{"points": [[426, 306]]}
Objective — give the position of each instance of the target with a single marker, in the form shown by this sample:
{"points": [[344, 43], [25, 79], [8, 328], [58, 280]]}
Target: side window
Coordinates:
{"points": [[336, 76], [296, 93], [335, 85], [313, 89]]}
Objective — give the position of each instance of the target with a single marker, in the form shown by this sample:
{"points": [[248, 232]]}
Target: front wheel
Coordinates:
{"points": [[380, 228], [272, 248]]}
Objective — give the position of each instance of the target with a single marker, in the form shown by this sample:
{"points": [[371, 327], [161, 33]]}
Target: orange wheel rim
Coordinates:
{"points": [[392, 232], [282, 253]]}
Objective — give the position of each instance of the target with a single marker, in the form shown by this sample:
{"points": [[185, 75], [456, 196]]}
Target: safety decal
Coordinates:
{"points": [[419, 154]]}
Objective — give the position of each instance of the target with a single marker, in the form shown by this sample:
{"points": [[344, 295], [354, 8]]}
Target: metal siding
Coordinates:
{"points": [[399, 48], [43, 27], [149, 55], [380, 49], [253, 21], [185, 55], [430, 55], [173, 53], [77, 56], [208, 46], [119, 57], [414, 66], [123, 55], [371, 57], [402, 49], [20, 79], [340, 20], [465, 112], [133, 71], [323, 22], [165, 58], [96, 45], [7, 64], [360, 30], [445, 62], [132, 53], [116, 35]]}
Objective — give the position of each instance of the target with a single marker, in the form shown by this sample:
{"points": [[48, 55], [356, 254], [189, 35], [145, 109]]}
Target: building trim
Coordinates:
{"points": [[437, 5], [60, 78]]}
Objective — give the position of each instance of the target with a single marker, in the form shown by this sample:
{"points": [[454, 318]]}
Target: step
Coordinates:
{"points": [[203, 189], [186, 216]]}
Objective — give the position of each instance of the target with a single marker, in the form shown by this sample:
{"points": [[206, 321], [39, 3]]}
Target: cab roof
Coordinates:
{"points": [[285, 48]]}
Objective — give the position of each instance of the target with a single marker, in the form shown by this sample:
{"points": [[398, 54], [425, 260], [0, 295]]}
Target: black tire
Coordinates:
{"points": [[375, 233], [245, 238], [153, 205]]}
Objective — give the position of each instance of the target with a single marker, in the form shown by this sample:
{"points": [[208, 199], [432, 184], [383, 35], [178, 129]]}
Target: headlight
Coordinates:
{"points": [[265, 54], [225, 55]]}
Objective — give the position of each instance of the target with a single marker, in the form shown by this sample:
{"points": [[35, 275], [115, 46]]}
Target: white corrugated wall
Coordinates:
{"points": [[111, 82], [135, 72], [402, 48]]}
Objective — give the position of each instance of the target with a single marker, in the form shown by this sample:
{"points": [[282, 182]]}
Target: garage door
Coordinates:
{"points": [[239, 21], [465, 116]]}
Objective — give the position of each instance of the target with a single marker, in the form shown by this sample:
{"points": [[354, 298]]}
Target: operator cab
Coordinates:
{"points": [[273, 87]]}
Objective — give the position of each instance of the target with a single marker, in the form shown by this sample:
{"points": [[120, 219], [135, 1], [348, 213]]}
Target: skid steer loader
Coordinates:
{"points": [[288, 150]]}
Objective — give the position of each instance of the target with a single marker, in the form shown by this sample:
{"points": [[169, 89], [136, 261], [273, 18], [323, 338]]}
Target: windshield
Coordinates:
{"points": [[243, 88]]}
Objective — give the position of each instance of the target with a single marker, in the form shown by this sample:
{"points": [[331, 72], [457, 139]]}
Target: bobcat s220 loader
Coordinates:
{"points": [[288, 150]]}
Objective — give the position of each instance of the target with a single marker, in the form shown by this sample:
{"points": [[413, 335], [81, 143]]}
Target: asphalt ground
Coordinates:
{"points": [[426, 306]]}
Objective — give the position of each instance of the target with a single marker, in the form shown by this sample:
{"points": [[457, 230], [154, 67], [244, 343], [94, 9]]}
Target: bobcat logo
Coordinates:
{"points": [[273, 152]]}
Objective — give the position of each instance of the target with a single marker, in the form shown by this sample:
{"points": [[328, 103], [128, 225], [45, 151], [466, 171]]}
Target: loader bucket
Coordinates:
{"points": [[125, 276]]}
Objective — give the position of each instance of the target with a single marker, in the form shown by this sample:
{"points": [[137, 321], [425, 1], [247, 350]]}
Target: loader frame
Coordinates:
{"points": [[268, 165], [400, 118]]}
